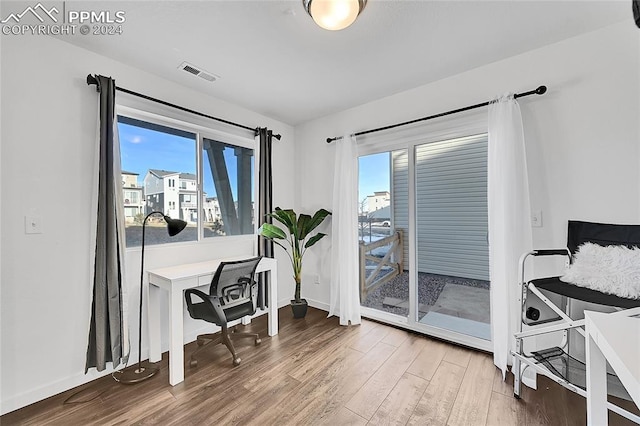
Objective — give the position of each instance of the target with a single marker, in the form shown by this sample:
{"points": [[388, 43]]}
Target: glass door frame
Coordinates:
{"points": [[468, 124]]}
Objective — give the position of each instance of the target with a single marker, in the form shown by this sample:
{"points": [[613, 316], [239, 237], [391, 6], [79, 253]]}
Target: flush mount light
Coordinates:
{"points": [[334, 14]]}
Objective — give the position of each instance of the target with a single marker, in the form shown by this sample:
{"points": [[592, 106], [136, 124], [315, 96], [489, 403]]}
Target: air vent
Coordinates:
{"points": [[192, 69]]}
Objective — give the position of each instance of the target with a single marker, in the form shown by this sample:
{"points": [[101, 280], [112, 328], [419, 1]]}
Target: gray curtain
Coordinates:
{"points": [[108, 339], [265, 247]]}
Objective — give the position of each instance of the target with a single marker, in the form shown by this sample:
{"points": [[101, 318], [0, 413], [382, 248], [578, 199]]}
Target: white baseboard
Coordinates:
{"points": [[313, 303], [16, 402], [318, 305], [284, 302]]}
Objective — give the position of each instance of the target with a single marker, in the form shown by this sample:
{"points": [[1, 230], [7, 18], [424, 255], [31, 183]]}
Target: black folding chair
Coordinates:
{"points": [[556, 362]]}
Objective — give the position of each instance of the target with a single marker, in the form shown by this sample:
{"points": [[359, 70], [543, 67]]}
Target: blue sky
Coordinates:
{"points": [[373, 174], [143, 149]]}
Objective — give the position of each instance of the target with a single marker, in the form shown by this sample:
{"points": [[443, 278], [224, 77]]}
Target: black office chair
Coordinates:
{"points": [[232, 295]]}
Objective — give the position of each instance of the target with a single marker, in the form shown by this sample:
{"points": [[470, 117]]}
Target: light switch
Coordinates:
{"points": [[536, 218], [33, 224]]}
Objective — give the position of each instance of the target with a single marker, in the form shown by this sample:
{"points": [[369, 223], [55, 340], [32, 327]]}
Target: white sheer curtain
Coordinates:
{"points": [[509, 221], [345, 296]]}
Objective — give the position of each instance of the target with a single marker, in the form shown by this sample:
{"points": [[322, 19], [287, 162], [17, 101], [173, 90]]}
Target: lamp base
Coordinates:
{"points": [[135, 374]]}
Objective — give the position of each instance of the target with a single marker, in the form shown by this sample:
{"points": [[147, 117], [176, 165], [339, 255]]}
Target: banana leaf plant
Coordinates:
{"points": [[296, 238]]}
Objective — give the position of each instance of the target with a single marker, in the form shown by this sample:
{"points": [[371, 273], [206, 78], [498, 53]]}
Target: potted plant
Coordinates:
{"points": [[295, 239]]}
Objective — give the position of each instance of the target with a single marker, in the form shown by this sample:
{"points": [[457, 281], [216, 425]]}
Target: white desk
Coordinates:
{"points": [[175, 280], [613, 338]]}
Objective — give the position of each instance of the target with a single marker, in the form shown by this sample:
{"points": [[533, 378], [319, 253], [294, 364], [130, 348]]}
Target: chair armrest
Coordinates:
{"points": [[195, 292], [551, 252], [541, 252], [212, 303]]}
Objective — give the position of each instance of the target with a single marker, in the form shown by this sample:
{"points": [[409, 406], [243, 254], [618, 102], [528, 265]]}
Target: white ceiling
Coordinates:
{"points": [[274, 60]]}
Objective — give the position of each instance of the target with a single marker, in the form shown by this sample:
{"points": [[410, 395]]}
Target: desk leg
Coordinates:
{"points": [[273, 301], [176, 338], [153, 317], [596, 383]]}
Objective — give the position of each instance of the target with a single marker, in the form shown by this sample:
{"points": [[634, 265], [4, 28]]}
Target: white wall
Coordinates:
{"points": [[582, 140], [47, 151], [1, 233], [583, 136]]}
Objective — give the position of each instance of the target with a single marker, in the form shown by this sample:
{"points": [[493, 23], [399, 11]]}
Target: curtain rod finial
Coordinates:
{"points": [[92, 80], [329, 140], [541, 90]]}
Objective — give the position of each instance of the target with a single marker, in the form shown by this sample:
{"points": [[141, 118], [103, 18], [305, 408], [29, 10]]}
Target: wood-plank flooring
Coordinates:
{"points": [[315, 372]]}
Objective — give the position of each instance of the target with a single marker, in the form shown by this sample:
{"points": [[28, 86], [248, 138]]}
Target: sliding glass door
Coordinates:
{"points": [[451, 228], [384, 275], [423, 238]]}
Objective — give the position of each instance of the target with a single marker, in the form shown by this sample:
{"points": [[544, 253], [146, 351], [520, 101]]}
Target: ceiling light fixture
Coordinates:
{"points": [[334, 14]]}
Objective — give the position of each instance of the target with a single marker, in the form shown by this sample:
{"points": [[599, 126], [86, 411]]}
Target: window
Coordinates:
{"points": [[217, 200], [131, 197], [229, 175]]}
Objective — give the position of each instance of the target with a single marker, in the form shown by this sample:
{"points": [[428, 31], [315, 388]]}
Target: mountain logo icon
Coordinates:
{"points": [[39, 11]]}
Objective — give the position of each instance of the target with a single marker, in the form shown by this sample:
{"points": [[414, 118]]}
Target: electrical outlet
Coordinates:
{"points": [[32, 224], [536, 218]]}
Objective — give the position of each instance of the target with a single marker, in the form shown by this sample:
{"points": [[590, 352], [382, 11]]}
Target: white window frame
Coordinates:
{"points": [[213, 131]]}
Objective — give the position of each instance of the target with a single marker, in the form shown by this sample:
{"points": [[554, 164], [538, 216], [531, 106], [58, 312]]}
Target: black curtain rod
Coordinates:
{"points": [[92, 80], [539, 91]]}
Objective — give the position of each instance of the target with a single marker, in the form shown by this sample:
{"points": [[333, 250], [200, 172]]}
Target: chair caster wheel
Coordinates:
{"points": [[193, 363], [236, 362], [258, 341]]}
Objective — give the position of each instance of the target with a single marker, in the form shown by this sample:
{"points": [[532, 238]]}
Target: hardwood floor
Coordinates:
{"points": [[315, 372]]}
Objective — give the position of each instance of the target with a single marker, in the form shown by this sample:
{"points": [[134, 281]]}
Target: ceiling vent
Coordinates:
{"points": [[192, 69]]}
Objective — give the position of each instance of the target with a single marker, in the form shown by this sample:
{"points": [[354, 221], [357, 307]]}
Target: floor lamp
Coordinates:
{"points": [[131, 376]]}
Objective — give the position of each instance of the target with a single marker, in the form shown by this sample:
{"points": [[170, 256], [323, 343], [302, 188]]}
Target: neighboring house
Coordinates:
{"points": [[187, 193], [378, 200], [451, 207], [173, 193], [133, 196], [213, 213], [211, 208]]}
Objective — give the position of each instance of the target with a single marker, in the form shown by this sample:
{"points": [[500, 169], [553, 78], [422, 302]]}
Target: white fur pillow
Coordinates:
{"points": [[612, 269]]}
